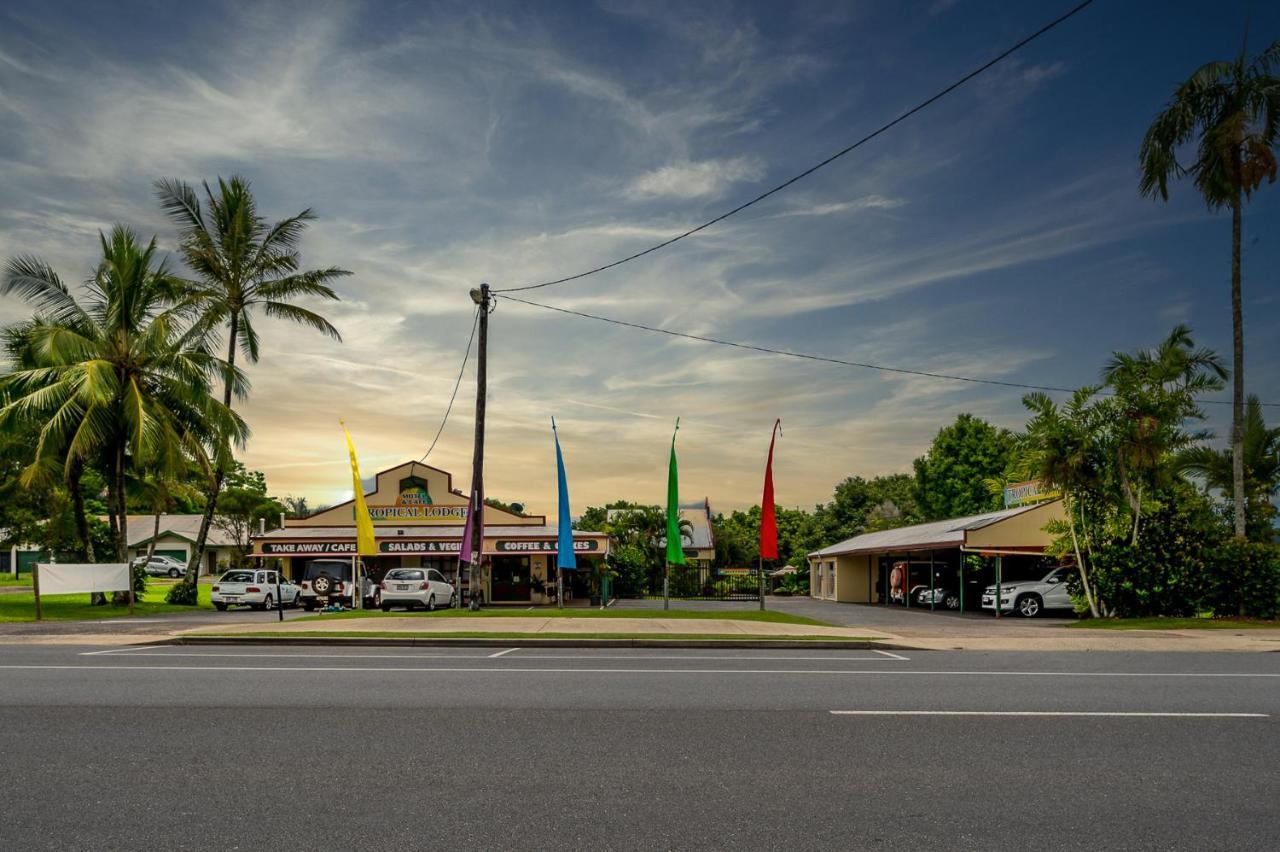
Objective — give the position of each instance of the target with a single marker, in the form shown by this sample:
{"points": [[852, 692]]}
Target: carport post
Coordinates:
{"points": [[930, 581], [906, 582], [999, 571], [279, 600], [666, 586], [886, 580], [962, 582]]}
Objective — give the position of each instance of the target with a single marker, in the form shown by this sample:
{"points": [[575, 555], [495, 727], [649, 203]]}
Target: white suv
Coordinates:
{"points": [[410, 587], [1029, 598]]}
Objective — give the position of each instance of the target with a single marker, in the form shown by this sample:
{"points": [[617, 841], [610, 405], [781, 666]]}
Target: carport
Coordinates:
{"points": [[954, 560]]}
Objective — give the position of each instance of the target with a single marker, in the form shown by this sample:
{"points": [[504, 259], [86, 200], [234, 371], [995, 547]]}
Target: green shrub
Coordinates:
{"points": [[183, 594], [1244, 579]]}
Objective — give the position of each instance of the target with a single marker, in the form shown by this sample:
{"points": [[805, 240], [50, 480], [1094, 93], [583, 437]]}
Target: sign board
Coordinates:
{"points": [[64, 578], [586, 545], [1031, 491], [308, 548], [414, 505]]}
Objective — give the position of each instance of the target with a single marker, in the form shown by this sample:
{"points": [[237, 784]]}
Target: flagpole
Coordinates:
{"points": [[761, 589]]}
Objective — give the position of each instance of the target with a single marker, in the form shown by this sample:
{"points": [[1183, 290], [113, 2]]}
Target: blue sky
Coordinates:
{"points": [[998, 234]]}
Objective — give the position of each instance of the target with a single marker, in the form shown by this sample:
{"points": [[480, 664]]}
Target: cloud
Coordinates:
{"points": [[690, 180]]}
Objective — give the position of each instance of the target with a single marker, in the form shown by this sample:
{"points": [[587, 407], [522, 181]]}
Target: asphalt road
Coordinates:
{"points": [[395, 748]]}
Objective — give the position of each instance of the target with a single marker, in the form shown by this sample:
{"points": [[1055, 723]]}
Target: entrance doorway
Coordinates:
{"points": [[511, 578]]}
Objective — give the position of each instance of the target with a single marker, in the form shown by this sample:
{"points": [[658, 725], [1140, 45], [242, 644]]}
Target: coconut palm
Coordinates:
{"points": [[117, 377], [1261, 463], [1231, 111], [1155, 391], [241, 265]]}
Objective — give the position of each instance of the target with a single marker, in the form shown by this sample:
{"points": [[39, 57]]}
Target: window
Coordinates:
{"points": [[237, 577], [435, 576], [403, 574]]}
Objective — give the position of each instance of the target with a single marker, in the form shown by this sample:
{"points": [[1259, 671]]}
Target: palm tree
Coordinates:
{"points": [[1156, 391], [1231, 110], [117, 377], [1261, 462], [241, 264]]}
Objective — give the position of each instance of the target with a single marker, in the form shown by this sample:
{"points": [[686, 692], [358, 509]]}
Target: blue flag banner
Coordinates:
{"points": [[565, 557]]}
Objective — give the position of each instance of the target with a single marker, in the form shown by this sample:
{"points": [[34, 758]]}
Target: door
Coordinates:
{"points": [[511, 578], [1058, 596], [439, 587]]}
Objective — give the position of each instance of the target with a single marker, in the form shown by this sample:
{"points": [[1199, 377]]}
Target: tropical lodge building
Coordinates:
{"points": [[418, 520]]}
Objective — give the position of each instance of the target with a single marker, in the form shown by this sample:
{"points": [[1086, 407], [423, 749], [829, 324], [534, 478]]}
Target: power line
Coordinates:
{"points": [[883, 128], [823, 358], [465, 355]]}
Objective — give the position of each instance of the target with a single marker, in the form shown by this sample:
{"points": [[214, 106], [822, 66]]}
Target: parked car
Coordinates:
{"points": [[255, 589], [1030, 598], [411, 587], [326, 581], [939, 596], [162, 566]]}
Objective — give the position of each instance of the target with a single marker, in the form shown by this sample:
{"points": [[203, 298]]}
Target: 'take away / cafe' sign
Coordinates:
{"points": [[348, 548]]}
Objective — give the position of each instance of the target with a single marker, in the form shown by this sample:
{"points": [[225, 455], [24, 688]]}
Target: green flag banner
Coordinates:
{"points": [[675, 549]]}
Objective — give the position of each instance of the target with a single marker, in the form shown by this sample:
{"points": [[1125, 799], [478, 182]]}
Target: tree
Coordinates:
{"points": [[950, 476], [1231, 110], [1156, 391], [241, 264], [243, 505], [296, 507], [1261, 470], [118, 377]]}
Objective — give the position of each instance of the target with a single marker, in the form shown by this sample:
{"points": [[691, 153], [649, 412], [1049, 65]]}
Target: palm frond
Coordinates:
{"points": [[293, 313]]}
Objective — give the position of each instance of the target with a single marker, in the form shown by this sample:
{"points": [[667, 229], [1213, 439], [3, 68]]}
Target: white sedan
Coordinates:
{"points": [[410, 587], [254, 589]]}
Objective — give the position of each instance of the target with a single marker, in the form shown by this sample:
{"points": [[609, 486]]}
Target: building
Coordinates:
{"points": [[177, 539], [889, 566], [418, 520]]}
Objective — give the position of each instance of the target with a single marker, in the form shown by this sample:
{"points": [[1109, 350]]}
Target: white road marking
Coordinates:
{"points": [[502, 653], [1050, 713], [532, 670], [893, 656]]}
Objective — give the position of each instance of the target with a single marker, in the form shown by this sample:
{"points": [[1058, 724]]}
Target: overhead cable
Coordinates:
{"points": [[823, 358], [465, 356], [872, 135]]}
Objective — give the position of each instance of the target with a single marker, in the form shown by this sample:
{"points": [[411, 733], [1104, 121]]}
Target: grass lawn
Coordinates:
{"points": [[1175, 624], [8, 580], [496, 612], [22, 607], [480, 634]]}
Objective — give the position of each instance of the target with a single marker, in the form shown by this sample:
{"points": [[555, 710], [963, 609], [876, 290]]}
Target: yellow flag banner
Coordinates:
{"points": [[365, 543]]}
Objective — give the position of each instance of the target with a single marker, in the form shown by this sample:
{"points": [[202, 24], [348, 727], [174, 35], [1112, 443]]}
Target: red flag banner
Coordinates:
{"points": [[768, 518]]}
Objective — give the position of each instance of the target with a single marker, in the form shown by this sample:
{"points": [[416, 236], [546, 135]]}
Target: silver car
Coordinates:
{"points": [[413, 587], [162, 566], [1030, 598]]}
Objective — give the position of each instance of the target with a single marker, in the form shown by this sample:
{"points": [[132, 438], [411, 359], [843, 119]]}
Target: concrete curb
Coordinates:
{"points": [[446, 642]]}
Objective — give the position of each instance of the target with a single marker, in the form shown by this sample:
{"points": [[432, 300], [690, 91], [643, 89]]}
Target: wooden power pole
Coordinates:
{"points": [[485, 302]]}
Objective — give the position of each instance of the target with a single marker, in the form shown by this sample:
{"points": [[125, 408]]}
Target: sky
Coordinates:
{"points": [[998, 234]]}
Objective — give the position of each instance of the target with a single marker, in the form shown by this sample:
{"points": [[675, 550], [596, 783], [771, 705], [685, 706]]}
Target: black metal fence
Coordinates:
{"points": [[694, 583]]}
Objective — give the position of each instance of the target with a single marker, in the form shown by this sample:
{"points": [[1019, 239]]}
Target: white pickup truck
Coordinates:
{"points": [[1029, 598]]}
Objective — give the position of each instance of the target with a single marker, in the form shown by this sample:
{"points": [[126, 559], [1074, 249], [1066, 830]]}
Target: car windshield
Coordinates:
{"points": [[1062, 574], [404, 574], [237, 577], [336, 570]]}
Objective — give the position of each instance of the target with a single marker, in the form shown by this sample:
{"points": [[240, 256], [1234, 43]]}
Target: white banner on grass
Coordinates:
{"points": [[64, 578]]}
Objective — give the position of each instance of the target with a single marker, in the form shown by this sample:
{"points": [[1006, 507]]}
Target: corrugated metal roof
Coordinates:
{"points": [[948, 533], [141, 527]]}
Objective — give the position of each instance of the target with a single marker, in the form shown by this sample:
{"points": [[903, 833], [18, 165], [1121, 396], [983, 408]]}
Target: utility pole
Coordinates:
{"points": [[485, 302]]}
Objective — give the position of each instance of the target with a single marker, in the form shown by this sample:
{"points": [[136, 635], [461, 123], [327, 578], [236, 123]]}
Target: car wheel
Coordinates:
{"points": [[173, 572], [309, 605], [1029, 606], [322, 584], [453, 600], [220, 607], [267, 603], [385, 607], [952, 602], [431, 603]]}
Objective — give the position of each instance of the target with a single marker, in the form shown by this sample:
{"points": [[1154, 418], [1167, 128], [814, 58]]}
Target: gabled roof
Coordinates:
{"points": [[185, 527], [936, 534]]}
